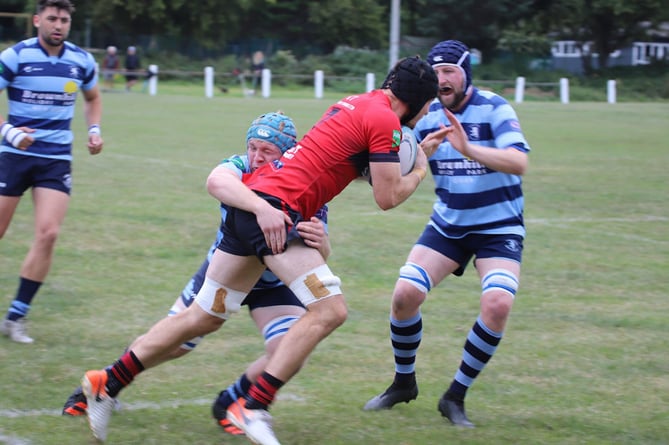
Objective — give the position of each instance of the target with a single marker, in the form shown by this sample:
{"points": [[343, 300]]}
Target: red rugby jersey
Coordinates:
{"points": [[352, 133]]}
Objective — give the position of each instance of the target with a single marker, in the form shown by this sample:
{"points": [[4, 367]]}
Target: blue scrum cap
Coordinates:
{"points": [[414, 82], [455, 53], [276, 128]]}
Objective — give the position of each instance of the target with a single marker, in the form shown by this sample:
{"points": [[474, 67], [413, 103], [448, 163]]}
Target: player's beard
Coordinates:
{"points": [[54, 42], [453, 102]]}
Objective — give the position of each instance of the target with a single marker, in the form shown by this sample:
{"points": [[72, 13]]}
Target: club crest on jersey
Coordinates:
{"points": [[75, 72], [474, 132], [397, 138]]}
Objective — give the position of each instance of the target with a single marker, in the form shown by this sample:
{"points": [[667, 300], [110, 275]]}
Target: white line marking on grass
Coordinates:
{"points": [[628, 235], [157, 161], [630, 219], [12, 440], [134, 406]]}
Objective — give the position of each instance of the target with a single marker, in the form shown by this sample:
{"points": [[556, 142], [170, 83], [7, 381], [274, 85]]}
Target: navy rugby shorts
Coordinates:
{"points": [[461, 250], [18, 173], [242, 236]]}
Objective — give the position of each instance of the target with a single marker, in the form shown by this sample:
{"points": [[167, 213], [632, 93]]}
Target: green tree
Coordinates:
{"points": [[208, 22], [320, 25], [600, 26], [478, 23], [355, 23]]}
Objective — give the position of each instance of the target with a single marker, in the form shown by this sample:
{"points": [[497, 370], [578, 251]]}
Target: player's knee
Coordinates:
{"points": [[411, 288], [499, 287], [415, 275], [199, 323], [47, 236], [406, 298], [497, 305], [338, 313], [328, 315]]}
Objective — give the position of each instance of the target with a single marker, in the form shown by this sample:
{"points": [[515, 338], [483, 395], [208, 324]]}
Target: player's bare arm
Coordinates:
{"points": [[390, 188], [93, 114]]}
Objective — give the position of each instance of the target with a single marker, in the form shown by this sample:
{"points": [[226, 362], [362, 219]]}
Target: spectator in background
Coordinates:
{"points": [[110, 65], [257, 65], [132, 66]]}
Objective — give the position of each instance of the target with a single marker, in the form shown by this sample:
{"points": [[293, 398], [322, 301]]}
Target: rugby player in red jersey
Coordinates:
{"points": [[358, 135]]}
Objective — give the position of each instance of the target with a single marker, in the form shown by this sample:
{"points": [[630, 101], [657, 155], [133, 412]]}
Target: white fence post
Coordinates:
{"points": [[153, 80], [520, 89], [371, 82], [611, 91], [564, 90], [266, 82], [209, 81], [318, 84]]}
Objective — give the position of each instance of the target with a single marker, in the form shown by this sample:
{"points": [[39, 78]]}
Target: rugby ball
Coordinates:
{"points": [[408, 149]]}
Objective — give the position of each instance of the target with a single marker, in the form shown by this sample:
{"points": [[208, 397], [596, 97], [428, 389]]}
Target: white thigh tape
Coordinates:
{"points": [[316, 284], [219, 301]]}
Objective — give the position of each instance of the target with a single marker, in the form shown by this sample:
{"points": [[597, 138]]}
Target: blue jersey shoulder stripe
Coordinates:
{"points": [[512, 224], [462, 201], [48, 124], [50, 148]]}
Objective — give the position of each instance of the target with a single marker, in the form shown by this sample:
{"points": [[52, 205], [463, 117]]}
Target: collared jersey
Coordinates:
{"points": [[42, 90], [472, 198], [352, 133]]}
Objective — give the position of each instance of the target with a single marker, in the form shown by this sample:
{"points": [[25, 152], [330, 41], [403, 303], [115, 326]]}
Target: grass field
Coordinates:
{"points": [[584, 361]]}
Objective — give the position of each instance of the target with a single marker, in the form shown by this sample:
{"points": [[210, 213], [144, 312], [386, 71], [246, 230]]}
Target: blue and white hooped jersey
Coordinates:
{"points": [[471, 197], [42, 90], [240, 165]]}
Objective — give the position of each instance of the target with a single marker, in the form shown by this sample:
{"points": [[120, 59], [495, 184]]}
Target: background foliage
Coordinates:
{"points": [[218, 27]]}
